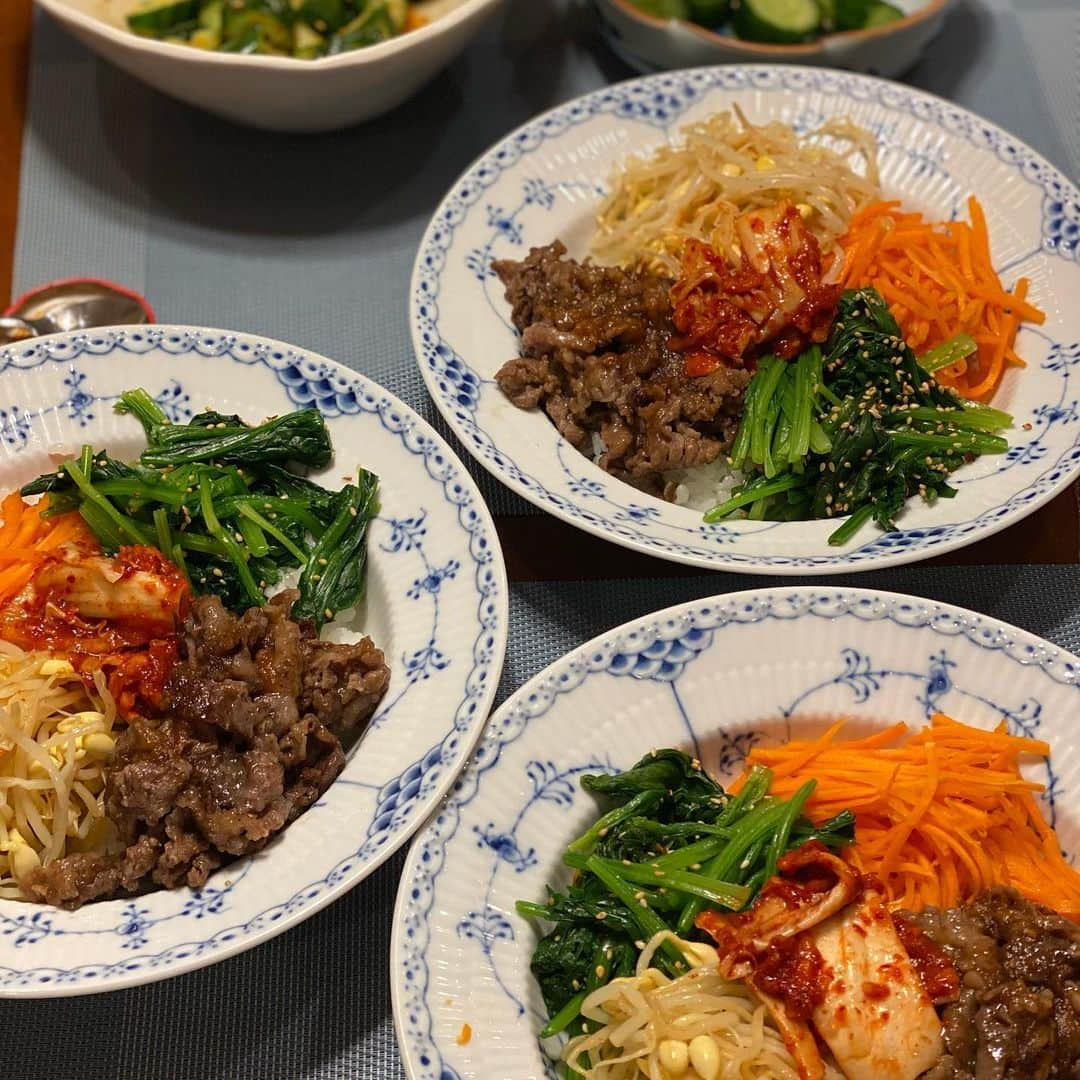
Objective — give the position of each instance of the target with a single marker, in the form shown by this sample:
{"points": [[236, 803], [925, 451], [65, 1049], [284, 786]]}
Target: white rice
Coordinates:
{"points": [[345, 628], [699, 488], [705, 486]]}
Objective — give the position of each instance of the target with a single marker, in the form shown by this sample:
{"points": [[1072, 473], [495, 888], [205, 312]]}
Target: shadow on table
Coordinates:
{"points": [[191, 170], [948, 58], [314, 1002], [196, 169]]}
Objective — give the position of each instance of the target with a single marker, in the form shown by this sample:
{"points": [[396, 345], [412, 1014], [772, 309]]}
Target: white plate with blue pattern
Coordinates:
{"points": [[544, 181], [436, 604], [715, 677]]}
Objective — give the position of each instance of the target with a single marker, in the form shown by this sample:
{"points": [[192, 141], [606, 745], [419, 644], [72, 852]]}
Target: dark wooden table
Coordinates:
{"points": [[536, 548]]}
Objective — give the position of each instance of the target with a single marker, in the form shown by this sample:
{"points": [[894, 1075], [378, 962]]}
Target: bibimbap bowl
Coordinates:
{"points": [[435, 602], [718, 679], [546, 182]]}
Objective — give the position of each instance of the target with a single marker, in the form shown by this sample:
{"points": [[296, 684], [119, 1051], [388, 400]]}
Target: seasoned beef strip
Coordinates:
{"points": [[341, 684], [595, 356], [1018, 1012], [248, 741]]}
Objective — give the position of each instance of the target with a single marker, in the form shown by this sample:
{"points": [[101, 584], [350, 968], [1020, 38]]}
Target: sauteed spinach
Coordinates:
{"points": [[672, 842], [214, 496], [856, 429]]}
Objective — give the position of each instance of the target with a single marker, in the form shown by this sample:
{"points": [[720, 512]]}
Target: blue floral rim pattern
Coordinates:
{"points": [[402, 802], [659, 100], [659, 647]]}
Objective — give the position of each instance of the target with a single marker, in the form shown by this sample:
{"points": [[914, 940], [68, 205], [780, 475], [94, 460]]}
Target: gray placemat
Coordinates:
{"points": [[315, 1003], [311, 239]]}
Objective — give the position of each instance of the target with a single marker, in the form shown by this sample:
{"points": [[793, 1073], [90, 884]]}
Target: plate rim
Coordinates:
{"points": [[555, 502], [423, 808], [1041, 653]]}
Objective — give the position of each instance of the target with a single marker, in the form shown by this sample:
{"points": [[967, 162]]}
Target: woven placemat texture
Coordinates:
{"points": [[311, 239], [315, 1002]]}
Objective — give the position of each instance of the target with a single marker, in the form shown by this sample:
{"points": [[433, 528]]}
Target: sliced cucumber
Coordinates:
{"points": [[331, 14], [255, 31], [162, 19], [859, 14], [849, 14], [664, 9], [398, 10], [881, 14], [709, 12], [779, 22], [307, 43]]}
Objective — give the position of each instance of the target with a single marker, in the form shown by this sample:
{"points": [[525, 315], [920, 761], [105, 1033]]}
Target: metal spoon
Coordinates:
{"points": [[72, 305], [12, 328]]}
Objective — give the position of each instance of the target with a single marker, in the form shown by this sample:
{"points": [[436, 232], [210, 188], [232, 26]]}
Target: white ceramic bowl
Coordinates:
{"points": [[544, 181], [652, 44], [274, 92], [714, 677], [436, 603]]}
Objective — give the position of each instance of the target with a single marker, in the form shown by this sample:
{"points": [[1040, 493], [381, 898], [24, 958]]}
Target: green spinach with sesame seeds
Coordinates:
{"points": [[670, 842], [216, 497], [856, 429]]}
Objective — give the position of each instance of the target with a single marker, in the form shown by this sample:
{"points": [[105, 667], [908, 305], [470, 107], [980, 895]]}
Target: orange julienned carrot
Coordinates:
{"points": [[940, 815], [938, 280]]}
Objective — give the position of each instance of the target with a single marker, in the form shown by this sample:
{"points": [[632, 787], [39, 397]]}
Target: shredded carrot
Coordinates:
{"points": [[940, 815], [939, 281], [28, 538]]}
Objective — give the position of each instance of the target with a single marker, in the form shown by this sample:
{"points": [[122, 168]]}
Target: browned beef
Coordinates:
{"points": [[248, 741], [595, 356], [79, 876], [1018, 1014], [341, 684]]}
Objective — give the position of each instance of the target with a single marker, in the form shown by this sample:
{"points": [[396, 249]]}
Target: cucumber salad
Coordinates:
{"points": [[304, 29], [777, 22]]}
